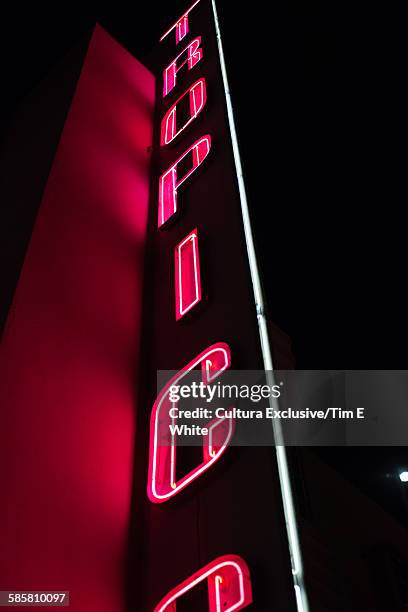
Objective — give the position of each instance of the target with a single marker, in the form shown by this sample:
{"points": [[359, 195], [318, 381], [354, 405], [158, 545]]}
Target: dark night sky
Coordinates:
{"points": [[320, 95]]}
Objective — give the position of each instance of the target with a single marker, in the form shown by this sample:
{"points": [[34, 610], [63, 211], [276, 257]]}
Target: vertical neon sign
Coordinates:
{"points": [[188, 110], [228, 579], [188, 292]]}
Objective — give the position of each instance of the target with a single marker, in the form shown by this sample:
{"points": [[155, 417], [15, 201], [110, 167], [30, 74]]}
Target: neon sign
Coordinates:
{"points": [[227, 577], [194, 55], [162, 484], [181, 26], [228, 582], [197, 96], [169, 182], [187, 274]]}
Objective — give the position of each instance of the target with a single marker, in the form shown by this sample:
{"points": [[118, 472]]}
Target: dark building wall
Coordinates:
{"points": [[355, 553]]}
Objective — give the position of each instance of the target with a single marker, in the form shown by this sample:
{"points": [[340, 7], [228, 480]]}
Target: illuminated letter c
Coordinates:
{"points": [[162, 484]]}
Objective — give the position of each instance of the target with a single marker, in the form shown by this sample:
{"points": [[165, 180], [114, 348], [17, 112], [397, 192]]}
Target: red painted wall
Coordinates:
{"points": [[70, 351]]}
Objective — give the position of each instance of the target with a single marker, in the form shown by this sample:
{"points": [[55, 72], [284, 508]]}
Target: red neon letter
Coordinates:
{"points": [[194, 55], [162, 483], [187, 274], [181, 26], [197, 98], [169, 181], [229, 586]]}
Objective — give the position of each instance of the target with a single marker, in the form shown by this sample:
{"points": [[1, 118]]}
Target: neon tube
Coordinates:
{"points": [[187, 274], [181, 25], [229, 586]]}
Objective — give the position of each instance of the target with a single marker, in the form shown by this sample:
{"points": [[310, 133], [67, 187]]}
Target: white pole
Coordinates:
{"points": [[283, 468]]}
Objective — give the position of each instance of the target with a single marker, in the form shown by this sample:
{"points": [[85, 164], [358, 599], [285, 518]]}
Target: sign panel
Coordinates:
{"points": [[213, 501]]}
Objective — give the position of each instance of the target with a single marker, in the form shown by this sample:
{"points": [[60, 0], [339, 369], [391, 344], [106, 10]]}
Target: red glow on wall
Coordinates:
{"points": [[229, 586], [70, 347], [192, 55], [169, 182], [197, 97], [181, 26], [162, 483], [187, 274]]}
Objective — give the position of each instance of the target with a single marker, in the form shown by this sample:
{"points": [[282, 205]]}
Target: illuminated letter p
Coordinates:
{"points": [[169, 182]]}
